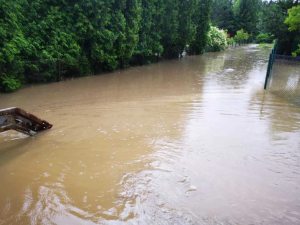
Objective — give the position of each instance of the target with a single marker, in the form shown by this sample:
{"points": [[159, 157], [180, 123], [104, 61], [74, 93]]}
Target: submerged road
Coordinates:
{"points": [[192, 141]]}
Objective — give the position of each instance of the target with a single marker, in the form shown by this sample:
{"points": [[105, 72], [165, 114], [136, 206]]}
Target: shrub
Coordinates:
{"points": [[264, 38], [216, 39], [241, 35], [9, 84], [230, 41], [297, 52]]}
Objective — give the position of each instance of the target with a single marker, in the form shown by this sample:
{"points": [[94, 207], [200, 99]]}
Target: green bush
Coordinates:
{"points": [[216, 40], [230, 41], [264, 38], [241, 35], [9, 84], [297, 52]]}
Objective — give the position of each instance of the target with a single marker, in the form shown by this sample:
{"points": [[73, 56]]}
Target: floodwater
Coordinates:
{"points": [[191, 141], [285, 79]]}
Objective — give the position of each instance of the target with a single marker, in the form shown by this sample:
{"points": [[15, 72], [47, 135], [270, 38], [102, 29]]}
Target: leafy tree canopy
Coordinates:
{"points": [[294, 18]]}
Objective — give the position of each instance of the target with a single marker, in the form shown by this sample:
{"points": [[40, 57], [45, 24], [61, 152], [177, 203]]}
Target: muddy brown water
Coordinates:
{"points": [[195, 141]]}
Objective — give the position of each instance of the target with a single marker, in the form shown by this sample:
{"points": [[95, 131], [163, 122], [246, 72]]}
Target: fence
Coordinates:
{"points": [[283, 76], [239, 43], [231, 44], [55, 70], [41, 71]]}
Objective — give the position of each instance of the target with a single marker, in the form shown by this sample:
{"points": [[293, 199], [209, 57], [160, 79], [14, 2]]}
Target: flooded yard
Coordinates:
{"points": [[191, 141]]}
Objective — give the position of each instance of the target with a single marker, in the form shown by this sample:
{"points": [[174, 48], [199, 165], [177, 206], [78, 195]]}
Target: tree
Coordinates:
{"points": [[150, 34], [294, 23], [202, 21], [276, 13], [12, 40], [180, 25], [49, 30], [294, 18], [241, 36], [187, 27], [94, 35], [170, 27], [222, 15], [125, 21], [246, 13]]}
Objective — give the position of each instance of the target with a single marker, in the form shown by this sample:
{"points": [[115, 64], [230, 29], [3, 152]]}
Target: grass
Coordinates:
{"points": [[271, 45]]}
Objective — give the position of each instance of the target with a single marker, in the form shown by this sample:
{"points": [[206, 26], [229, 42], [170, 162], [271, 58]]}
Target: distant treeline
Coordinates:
{"points": [[260, 18]]}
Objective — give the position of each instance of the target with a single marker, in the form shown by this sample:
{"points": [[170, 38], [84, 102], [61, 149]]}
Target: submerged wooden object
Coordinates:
{"points": [[22, 121]]}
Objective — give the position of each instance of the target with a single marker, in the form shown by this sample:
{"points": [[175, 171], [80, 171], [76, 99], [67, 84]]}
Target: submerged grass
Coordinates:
{"points": [[265, 45]]}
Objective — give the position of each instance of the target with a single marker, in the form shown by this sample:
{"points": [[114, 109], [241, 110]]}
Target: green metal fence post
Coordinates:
{"points": [[273, 58], [271, 63], [268, 71]]}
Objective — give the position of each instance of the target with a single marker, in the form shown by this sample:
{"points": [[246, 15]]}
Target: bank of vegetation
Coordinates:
{"points": [[95, 36], [106, 34], [264, 21]]}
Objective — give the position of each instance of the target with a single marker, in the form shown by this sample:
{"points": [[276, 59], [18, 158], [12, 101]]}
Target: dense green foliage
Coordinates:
{"points": [[264, 38], [294, 23], [10, 83], [294, 18], [222, 15], [271, 21], [216, 39], [246, 13], [94, 35], [202, 21], [260, 18], [235, 15], [230, 41], [241, 36]]}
